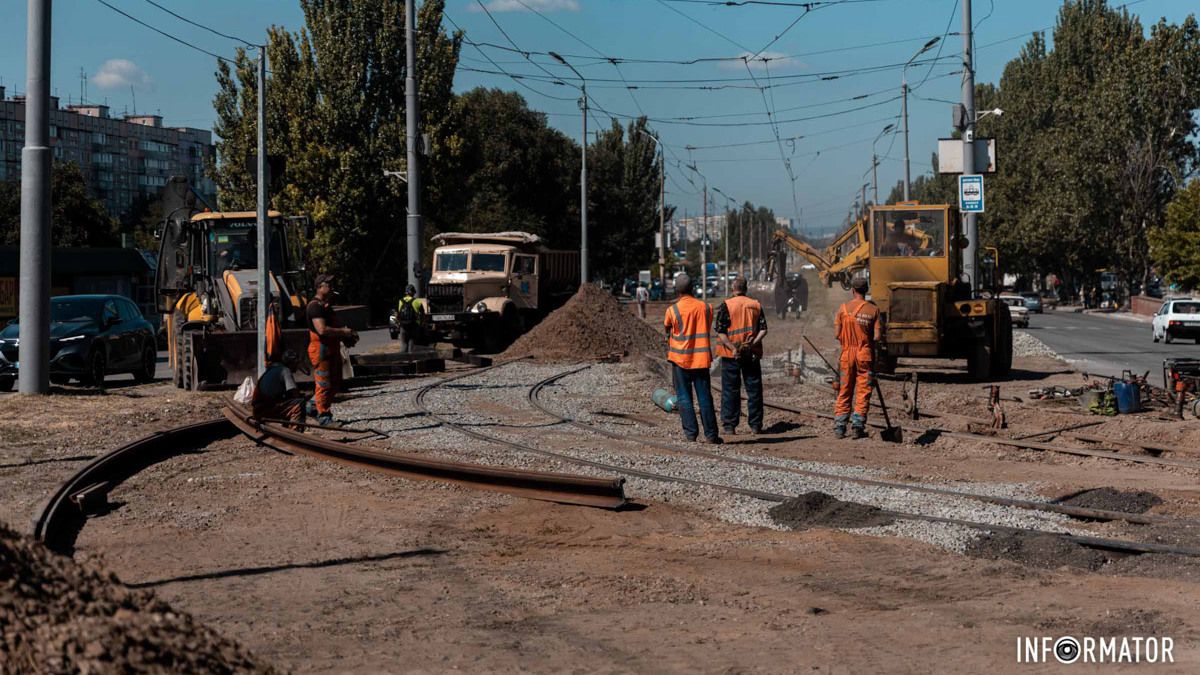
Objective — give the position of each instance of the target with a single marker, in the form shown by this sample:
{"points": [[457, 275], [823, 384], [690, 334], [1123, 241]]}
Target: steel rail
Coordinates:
{"points": [[562, 488], [62, 518], [534, 396]]}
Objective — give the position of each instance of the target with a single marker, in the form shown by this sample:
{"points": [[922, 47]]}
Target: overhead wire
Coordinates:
{"points": [[165, 34], [197, 24]]}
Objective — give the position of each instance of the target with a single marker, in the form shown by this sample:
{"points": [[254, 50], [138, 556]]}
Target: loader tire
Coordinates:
{"points": [[188, 366], [979, 361]]}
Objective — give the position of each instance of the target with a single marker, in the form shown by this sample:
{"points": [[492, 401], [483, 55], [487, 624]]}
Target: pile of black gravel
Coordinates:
{"points": [[59, 616], [817, 509], [1112, 499], [1036, 550]]}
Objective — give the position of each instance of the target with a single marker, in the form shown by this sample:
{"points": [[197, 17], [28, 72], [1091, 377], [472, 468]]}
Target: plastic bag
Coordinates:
{"points": [[347, 367], [245, 392]]}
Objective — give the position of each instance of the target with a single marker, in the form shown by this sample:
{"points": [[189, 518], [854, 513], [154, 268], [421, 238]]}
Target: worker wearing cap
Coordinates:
{"points": [[688, 324], [325, 337], [858, 329], [741, 327]]}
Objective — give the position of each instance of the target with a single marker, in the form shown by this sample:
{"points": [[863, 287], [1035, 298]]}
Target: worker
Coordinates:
{"points": [[741, 326], [642, 295], [325, 337], [858, 330], [898, 241], [408, 316], [276, 396], [688, 323]]}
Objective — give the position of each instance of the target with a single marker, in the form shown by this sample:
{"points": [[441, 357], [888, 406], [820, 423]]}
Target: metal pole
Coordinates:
{"points": [[727, 265], [904, 114], [412, 133], [583, 191], [968, 95], [741, 245], [875, 179], [704, 248], [34, 313], [264, 225], [662, 217]]}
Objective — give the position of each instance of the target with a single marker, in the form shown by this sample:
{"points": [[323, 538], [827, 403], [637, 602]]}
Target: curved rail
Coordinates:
{"points": [[606, 493], [86, 492]]}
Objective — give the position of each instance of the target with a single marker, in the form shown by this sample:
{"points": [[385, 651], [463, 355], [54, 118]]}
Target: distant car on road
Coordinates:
{"points": [[1176, 319], [1049, 300], [91, 337], [1033, 302], [1016, 308]]}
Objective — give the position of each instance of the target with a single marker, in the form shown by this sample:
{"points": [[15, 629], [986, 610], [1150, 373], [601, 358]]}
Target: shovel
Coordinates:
{"points": [[890, 433]]}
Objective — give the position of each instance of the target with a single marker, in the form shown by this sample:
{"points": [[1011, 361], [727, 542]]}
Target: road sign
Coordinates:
{"points": [[970, 193], [950, 155]]}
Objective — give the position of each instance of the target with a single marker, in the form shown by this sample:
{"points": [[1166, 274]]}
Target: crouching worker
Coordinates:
{"points": [[276, 396]]}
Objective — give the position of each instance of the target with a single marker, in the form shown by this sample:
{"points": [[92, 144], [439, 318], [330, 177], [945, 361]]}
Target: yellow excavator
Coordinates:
{"points": [[912, 255], [206, 287]]}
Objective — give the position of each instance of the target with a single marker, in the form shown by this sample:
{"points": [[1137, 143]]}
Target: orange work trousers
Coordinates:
{"points": [[854, 386], [326, 360]]}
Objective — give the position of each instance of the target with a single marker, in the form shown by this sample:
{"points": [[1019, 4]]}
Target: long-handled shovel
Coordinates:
{"points": [[890, 434]]}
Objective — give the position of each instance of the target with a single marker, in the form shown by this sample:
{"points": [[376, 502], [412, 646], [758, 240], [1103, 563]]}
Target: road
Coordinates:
{"points": [[1105, 345]]}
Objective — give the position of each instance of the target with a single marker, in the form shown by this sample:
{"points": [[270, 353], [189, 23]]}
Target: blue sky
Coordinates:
{"points": [[166, 77]]}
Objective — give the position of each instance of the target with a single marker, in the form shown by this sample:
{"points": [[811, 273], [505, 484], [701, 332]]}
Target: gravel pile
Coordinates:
{"points": [[1036, 550], [1025, 345], [819, 509], [591, 325], [1112, 499], [58, 616]]}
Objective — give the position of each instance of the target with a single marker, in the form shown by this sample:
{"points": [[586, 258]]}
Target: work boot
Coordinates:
{"points": [[839, 432], [859, 432], [310, 408], [729, 431], [327, 420], [715, 440], [756, 430]]}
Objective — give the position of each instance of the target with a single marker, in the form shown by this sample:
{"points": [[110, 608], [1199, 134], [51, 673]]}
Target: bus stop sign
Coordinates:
{"points": [[970, 193]]}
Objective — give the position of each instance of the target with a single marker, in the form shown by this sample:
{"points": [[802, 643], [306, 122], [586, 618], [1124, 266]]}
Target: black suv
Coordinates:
{"points": [[91, 336]]}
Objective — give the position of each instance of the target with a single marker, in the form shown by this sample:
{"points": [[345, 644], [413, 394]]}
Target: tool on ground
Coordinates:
{"points": [[890, 433], [999, 420], [837, 376], [1180, 376], [664, 399]]}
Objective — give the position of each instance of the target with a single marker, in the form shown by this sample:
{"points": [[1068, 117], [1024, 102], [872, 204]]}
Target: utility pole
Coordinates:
{"points": [[904, 116], [875, 179], [662, 219], [583, 191], [411, 117], [741, 245], [264, 224], [753, 270], [971, 225], [728, 267], [704, 248], [34, 374]]}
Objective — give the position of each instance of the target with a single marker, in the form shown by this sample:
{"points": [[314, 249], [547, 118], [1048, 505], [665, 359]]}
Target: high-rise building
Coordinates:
{"points": [[122, 159]]}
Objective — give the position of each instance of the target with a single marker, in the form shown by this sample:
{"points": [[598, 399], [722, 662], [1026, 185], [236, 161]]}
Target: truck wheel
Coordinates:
{"points": [[189, 367], [97, 368], [1002, 344], [979, 362]]}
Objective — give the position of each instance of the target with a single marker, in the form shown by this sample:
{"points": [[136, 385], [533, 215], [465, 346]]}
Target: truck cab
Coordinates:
{"points": [[486, 289]]}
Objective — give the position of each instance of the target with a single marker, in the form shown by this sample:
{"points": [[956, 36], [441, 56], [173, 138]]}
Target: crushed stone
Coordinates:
{"points": [[1036, 550], [591, 325], [1112, 499], [816, 508]]}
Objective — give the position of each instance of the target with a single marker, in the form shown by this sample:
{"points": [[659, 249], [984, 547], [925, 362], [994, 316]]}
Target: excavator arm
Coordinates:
{"points": [[848, 253]]}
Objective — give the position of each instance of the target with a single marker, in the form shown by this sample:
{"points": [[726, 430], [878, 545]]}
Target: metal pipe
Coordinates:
{"points": [[264, 224], [34, 312], [412, 131]]}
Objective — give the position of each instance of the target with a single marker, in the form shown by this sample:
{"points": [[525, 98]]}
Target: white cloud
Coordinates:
{"points": [[527, 6], [773, 60], [122, 74]]}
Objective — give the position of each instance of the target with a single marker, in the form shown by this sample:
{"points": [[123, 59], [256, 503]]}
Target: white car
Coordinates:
{"points": [[1017, 308], [1177, 319]]}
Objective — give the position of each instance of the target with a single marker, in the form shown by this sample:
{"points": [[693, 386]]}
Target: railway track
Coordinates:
{"points": [[533, 396]]}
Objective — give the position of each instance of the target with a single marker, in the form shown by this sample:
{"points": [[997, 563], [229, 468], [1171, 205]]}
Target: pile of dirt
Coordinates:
{"points": [[591, 325], [1112, 499], [817, 509], [1036, 550], [60, 616]]}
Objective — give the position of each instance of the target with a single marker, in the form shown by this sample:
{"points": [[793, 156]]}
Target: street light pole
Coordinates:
{"points": [[411, 117], [971, 226], [583, 191], [34, 312], [264, 224], [662, 210], [875, 163], [904, 106], [704, 248]]}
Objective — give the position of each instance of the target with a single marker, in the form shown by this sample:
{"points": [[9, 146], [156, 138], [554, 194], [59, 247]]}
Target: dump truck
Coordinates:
{"points": [[486, 289], [206, 287], [912, 255]]}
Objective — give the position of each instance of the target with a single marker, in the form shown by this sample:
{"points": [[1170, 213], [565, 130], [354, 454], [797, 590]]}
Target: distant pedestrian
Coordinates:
{"points": [[325, 337], [408, 316], [1083, 297], [858, 330], [642, 294], [1095, 298], [741, 327], [688, 324]]}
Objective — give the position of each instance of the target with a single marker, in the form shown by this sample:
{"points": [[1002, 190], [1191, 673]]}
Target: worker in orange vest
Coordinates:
{"points": [[741, 326], [858, 330], [688, 324]]}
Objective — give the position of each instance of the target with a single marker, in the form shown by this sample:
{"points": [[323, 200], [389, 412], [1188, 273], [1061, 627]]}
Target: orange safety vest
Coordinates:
{"points": [[688, 324], [744, 313]]}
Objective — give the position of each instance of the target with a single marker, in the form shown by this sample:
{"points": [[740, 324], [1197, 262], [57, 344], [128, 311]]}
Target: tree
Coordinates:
{"points": [[1175, 245], [76, 217], [623, 188]]}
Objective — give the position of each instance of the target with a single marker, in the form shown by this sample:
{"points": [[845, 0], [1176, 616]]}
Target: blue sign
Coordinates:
{"points": [[970, 193]]}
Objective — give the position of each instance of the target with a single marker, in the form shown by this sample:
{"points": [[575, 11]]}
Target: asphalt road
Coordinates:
{"points": [[1106, 345]]}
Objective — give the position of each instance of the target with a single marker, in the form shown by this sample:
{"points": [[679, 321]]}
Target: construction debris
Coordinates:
{"points": [[592, 325]]}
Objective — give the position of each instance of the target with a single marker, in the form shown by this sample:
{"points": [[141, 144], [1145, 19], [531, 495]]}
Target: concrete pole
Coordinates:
{"points": [[412, 135], [904, 115], [728, 267], [662, 218], [583, 191], [971, 226], [704, 248], [875, 179], [264, 224], [34, 313]]}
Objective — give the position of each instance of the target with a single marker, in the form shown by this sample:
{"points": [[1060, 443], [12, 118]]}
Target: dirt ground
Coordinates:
{"points": [[317, 567]]}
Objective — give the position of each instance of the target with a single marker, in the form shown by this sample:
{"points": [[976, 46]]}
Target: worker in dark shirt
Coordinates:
{"points": [[325, 337], [741, 326], [276, 395]]}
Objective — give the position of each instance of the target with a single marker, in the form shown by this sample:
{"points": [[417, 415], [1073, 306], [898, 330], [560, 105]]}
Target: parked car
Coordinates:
{"points": [[1049, 300], [1017, 308], [1033, 302], [1176, 319], [91, 337]]}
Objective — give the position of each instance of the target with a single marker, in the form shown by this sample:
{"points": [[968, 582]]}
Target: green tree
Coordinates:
{"points": [[623, 191], [1175, 245], [76, 217]]}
